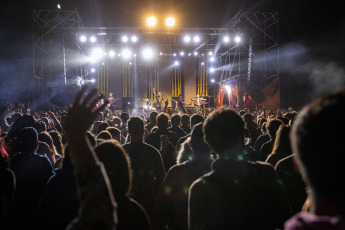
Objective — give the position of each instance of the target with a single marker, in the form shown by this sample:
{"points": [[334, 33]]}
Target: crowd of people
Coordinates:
{"points": [[248, 169]]}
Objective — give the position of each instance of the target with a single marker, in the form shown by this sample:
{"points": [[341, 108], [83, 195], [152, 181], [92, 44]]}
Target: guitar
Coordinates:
{"points": [[109, 104]]}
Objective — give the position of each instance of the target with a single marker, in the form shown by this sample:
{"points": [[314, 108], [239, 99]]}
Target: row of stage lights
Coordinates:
{"points": [[98, 54], [188, 39]]}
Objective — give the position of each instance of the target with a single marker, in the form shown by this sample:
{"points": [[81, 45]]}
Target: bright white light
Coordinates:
{"points": [[151, 21], [124, 38], [83, 38], [237, 39], [174, 54], [195, 53], [93, 39], [189, 54], [211, 59], [96, 55], [186, 39], [111, 53], [147, 53], [202, 63], [210, 53], [228, 88], [182, 53], [130, 63], [226, 39], [92, 80], [212, 80], [145, 106], [93, 70], [170, 21], [196, 39], [58, 6], [161, 53], [176, 63], [134, 55], [126, 53], [119, 55], [211, 69], [134, 38]]}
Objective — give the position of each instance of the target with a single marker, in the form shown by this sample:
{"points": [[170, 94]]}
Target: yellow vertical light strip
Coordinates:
{"points": [[131, 80], [101, 74], [157, 77], [180, 89], [123, 81], [107, 79], [98, 83]]}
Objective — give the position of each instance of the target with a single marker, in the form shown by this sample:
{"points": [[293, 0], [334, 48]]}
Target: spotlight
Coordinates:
{"points": [[202, 63], [170, 21], [226, 39], [182, 53], [151, 21], [124, 39], [92, 80], [93, 70], [176, 63], [237, 39], [134, 38], [147, 53], [111, 53], [211, 69], [211, 59], [93, 39], [195, 53], [130, 63], [212, 80], [210, 53], [189, 54], [58, 6], [174, 54], [161, 53], [186, 39], [228, 88], [96, 54], [83, 38], [196, 39], [126, 53]]}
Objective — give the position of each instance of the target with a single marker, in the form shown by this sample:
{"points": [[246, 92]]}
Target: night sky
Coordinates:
{"points": [[312, 36]]}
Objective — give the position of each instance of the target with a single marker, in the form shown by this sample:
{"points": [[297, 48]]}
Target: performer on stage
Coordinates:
{"points": [[159, 100], [199, 103], [111, 106], [180, 102]]}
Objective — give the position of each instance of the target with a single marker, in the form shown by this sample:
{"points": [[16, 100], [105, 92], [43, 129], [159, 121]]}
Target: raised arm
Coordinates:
{"points": [[98, 207]]}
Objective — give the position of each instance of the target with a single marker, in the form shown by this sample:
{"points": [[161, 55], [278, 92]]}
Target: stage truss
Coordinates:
{"points": [[60, 58]]}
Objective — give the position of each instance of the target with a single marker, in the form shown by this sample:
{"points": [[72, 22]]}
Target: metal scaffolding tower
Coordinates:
{"points": [[53, 43]]}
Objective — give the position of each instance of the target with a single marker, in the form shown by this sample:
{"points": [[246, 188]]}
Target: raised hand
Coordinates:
{"points": [[82, 114]]}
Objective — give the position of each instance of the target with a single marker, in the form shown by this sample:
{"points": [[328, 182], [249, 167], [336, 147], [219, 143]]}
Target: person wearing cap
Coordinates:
{"points": [[32, 172]]}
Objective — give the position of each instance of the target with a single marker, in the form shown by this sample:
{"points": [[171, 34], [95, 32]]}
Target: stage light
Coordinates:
{"points": [[119, 55], [130, 63], [226, 39], [147, 53], [151, 21], [210, 53], [161, 53], [93, 70], [212, 80], [126, 53], [124, 39], [174, 54], [96, 55], [196, 39], [186, 39], [189, 54], [176, 63], [211, 69], [211, 59], [237, 39], [134, 38], [202, 63], [170, 21], [111, 53], [228, 88], [93, 39], [83, 38], [92, 80], [195, 53], [58, 6], [134, 55], [182, 53]]}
